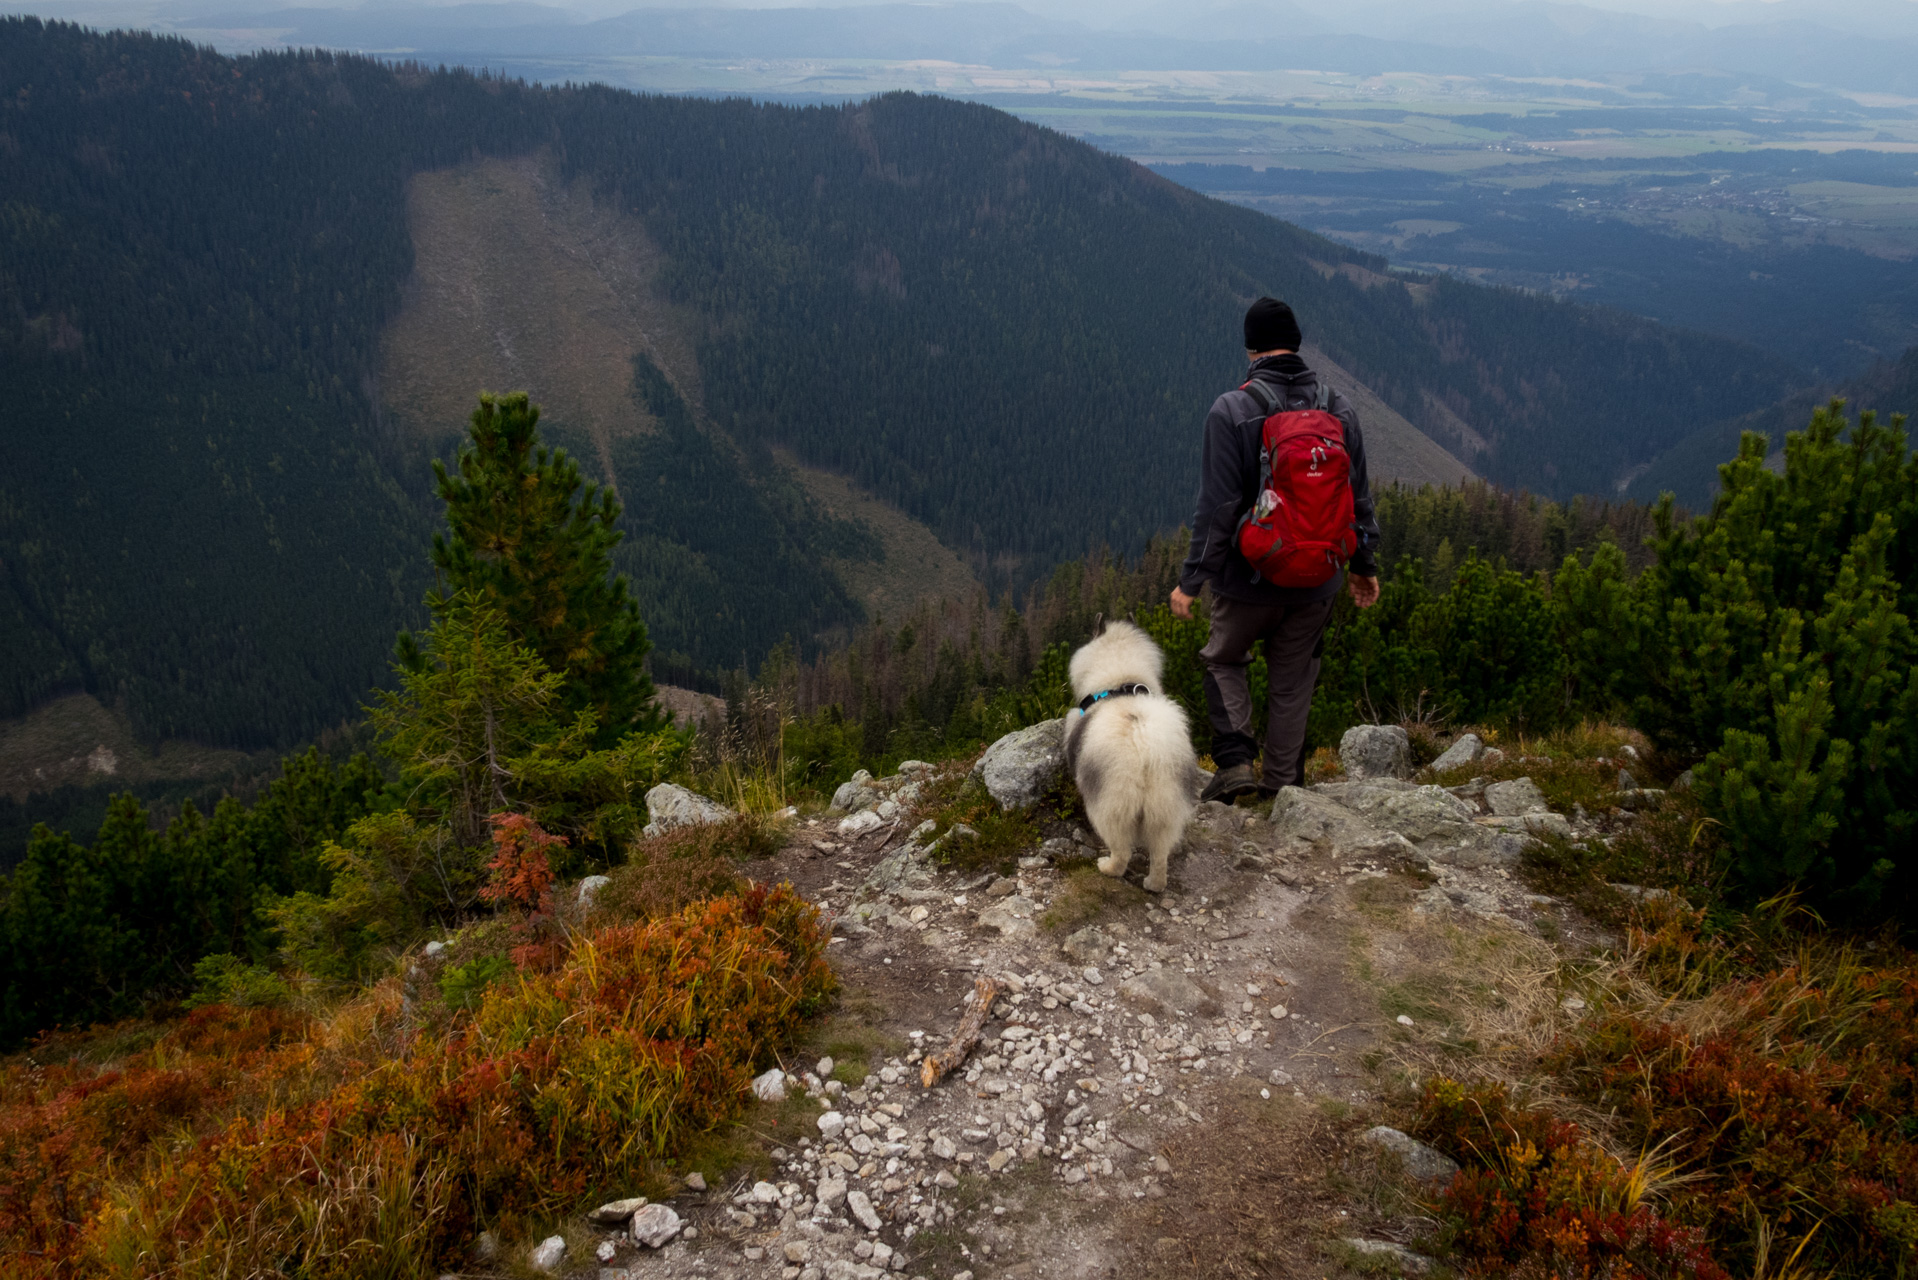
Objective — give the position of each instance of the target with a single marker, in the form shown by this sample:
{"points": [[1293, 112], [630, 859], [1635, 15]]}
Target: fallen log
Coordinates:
{"points": [[971, 1024]]}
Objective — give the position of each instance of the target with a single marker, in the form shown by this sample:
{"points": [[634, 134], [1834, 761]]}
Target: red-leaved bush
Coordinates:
{"points": [[1795, 1108], [520, 871], [1537, 1198]]}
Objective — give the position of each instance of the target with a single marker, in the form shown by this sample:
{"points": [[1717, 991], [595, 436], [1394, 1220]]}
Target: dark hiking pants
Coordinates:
{"points": [[1291, 637]]}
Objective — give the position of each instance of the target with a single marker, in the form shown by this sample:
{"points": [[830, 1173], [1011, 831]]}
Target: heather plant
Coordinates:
{"points": [[1783, 1084], [1537, 1197]]}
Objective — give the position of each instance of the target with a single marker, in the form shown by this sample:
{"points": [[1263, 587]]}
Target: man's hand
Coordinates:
{"points": [[1182, 603], [1365, 591]]}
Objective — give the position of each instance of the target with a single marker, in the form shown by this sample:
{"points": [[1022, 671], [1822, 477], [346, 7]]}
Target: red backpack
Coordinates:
{"points": [[1300, 530]]}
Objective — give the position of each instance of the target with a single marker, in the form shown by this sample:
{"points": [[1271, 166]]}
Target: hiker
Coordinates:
{"points": [[1303, 521]]}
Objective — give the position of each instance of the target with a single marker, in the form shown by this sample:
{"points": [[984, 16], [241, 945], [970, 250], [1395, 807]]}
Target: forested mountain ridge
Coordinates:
{"points": [[209, 520]]}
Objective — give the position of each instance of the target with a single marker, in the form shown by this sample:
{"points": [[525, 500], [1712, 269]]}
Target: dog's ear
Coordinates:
{"points": [[1098, 626]]}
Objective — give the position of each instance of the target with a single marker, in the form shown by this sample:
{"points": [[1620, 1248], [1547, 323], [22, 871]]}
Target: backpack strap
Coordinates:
{"points": [[1269, 400]]}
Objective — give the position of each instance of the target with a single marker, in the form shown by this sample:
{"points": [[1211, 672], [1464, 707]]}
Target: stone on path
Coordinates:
{"points": [[1012, 917], [669, 807], [770, 1087], [1465, 749], [860, 823], [1422, 1163], [1168, 992], [1420, 814], [1376, 751], [614, 1212], [861, 1208], [1023, 765], [1413, 1264], [654, 1225], [1088, 946]]}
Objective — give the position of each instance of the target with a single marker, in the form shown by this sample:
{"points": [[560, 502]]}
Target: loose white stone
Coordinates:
{"points": [[654, 1225], [614, 1212], [548, 1254], [831, 1125], [770, 1087], [861, 1207]]}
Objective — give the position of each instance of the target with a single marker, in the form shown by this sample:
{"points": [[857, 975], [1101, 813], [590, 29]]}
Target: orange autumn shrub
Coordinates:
{"points": [[67, 1131], [560, 1086]]}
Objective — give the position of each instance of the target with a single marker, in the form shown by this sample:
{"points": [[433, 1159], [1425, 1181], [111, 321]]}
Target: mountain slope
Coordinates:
{"points": [[220, 415], [1689, 469]]}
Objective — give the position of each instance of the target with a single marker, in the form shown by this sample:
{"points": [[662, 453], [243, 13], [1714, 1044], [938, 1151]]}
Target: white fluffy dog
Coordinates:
{"points": [[1129, 749]]}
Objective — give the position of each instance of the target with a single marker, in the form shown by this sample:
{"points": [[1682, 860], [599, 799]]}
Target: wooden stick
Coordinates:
{"points": [[971, 1025]]}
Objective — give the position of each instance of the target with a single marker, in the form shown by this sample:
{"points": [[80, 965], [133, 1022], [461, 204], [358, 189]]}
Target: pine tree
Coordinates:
{"points": [[531, 539], [1780, 645]]}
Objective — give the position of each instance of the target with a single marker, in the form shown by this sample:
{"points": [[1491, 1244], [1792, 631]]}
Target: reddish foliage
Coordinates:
{"points": [[1538, 1198], [560, 1085], [65, 1129], [520, 871], [1798, 1111]]}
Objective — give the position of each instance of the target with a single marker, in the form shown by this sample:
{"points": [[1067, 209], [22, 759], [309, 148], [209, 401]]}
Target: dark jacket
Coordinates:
{"points": [[1229, 484]]}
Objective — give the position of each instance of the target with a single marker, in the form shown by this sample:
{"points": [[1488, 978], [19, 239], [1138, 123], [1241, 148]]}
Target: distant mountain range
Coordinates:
{"points": [[827, 356], [1857, 47]]}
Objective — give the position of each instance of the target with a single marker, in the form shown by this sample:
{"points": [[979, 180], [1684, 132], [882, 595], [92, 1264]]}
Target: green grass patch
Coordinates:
{"points": [[1088, 896], [1675, 847]]}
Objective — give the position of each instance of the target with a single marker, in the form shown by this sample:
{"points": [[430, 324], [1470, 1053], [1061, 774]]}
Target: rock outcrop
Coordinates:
{"points": [[669, 807]]}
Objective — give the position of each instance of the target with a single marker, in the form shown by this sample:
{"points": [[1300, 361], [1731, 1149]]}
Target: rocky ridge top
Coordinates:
{"points": [[1108, 1039]]}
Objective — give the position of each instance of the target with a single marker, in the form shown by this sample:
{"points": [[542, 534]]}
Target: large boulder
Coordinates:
{"points": [[1023, 765], [1376, 751], [1465, 750], [669, 807]]}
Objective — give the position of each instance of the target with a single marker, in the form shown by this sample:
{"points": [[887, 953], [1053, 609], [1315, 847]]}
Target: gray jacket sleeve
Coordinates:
{"points": [[1222, 483]]}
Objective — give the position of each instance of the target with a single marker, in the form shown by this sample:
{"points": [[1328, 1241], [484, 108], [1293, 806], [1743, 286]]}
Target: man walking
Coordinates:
{"points": [[1246, 607]]}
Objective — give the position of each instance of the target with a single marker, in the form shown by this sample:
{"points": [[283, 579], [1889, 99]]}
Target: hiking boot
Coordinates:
{"points": [[1230, 783]]}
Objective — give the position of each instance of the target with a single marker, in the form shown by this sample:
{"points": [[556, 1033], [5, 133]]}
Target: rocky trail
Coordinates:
{"points": [[1168, 1083]]}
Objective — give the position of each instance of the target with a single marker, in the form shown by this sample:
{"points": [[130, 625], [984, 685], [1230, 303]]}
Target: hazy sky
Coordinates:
{"points": [[1390, 18]]}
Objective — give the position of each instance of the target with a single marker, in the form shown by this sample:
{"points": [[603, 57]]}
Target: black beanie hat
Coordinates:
{"points": [[1271, 326]]}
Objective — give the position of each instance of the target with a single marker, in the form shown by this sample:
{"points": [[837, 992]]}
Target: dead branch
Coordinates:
{"points": [[978, 1008]]}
